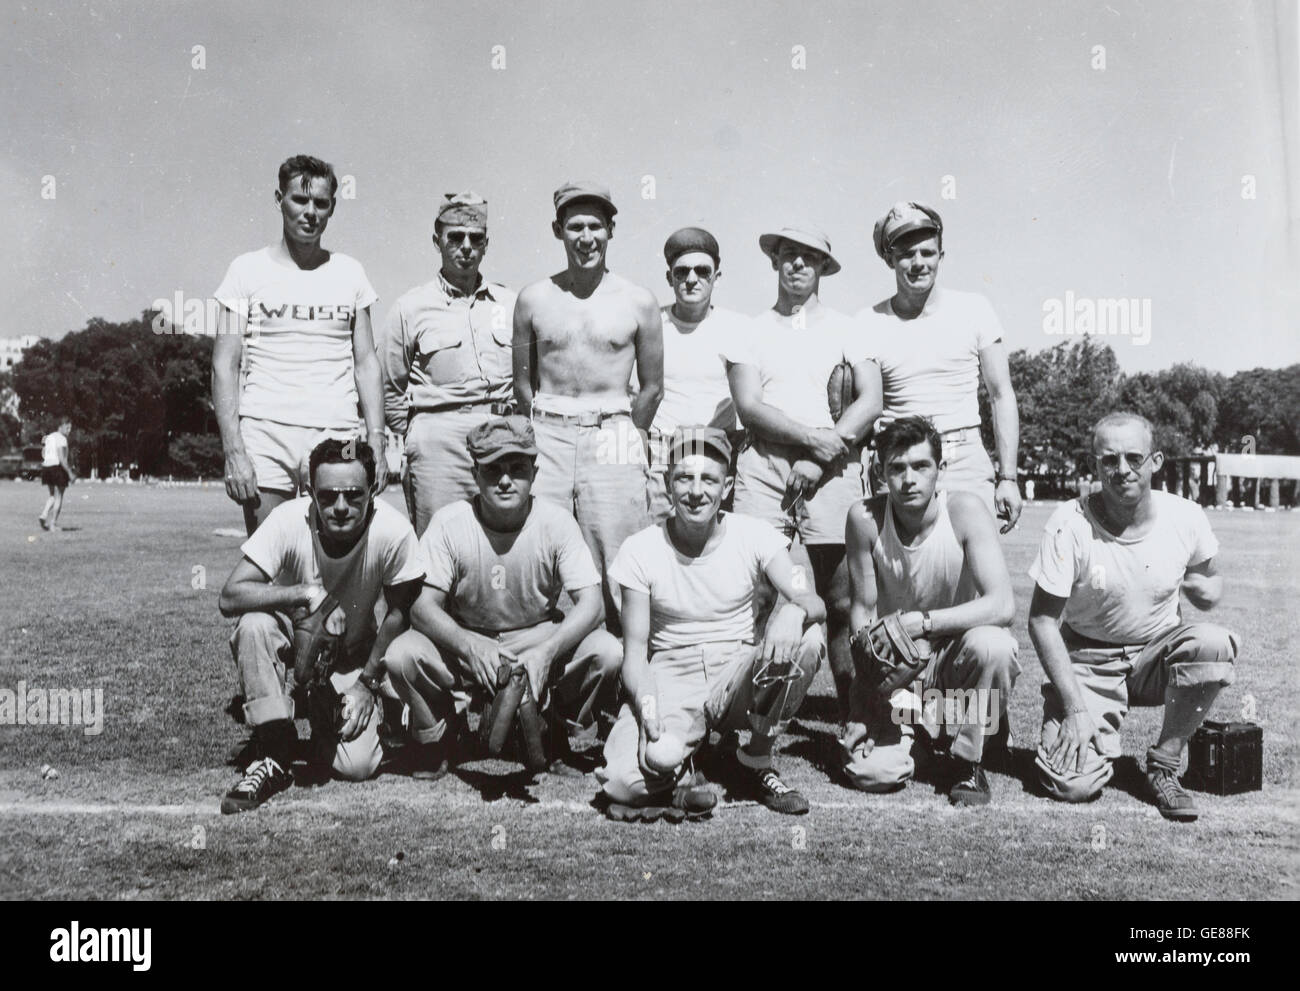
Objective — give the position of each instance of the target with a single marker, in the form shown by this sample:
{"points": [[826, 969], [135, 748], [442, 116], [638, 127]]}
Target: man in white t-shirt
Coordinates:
{"points": [[56, 473], [692, 663], [1106, 622], [933, 345], [695, 337], [802, 470], [294, 354], [498, 565], [338, 540]]}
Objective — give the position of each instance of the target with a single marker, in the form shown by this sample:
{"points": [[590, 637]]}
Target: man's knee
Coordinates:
{"points": [[1211, 643], [990, 648], [607, 655], [1073, 786], [256, 630], [881, 769], [406, 653], [358, 760]]}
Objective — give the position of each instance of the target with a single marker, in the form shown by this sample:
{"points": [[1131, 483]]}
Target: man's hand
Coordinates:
{"points": [[358, 704], [1006, 499], [854, 734], [784, 634], [649, 728], [484, 658], [805, 476], [913, 624], [826, 446], [1071, 746], [537, 662], [241, 480]]}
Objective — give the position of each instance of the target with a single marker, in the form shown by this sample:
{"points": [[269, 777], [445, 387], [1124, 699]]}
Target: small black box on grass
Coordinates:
{"points": [[1225, 758]]}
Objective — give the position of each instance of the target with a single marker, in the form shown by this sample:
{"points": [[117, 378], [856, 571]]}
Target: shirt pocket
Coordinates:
{"points": [[494, 329], [442, 356]]}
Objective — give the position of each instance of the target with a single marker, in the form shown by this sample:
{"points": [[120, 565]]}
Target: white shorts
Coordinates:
{"points": [[279, 451]]}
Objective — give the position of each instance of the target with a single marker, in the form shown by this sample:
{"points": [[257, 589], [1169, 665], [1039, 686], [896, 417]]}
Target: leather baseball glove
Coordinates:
{"points": [[886, 658], [514, 704], [839, 390]]}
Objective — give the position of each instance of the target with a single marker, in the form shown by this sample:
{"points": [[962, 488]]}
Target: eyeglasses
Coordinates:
{"points": [[354, 496], [1134, 460], [476, 238], [701, 272]]}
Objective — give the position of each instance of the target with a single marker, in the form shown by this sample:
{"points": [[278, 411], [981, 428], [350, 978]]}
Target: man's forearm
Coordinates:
{"points": [[635, 669], [645, 404], [1055, 658], [370, 391], [985, 610], [245, 597], [773, 425], [1006, 433], [225, 403], [394, 623]]}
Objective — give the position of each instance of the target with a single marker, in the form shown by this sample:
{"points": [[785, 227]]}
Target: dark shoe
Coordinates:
{"points": [[1171, 799], [692, 799], [694, 796], [430, 761], [44, 525], [766, 785], [971, 787], [263, 779]]}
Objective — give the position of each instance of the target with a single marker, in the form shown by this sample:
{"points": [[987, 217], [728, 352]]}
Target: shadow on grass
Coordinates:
{"points": [[494, 787]]}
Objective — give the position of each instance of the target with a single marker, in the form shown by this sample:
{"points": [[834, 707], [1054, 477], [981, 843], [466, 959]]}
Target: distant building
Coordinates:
{"points": [[12, 348]]}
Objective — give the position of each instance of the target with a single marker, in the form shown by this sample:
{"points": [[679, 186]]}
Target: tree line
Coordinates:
{"points": [[136, 396]]}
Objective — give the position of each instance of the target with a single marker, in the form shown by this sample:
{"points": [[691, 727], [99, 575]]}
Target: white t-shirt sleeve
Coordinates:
{"points": [[767, 542], [988, 328], [404, 561], [269, 543], [629, 569], [366, 295], [1204, 543], [741, 346], [234, 291], [574, 563], [439, 557], [1057, 565]]}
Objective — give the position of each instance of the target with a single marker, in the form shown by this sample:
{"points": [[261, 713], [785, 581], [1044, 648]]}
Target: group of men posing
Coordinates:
{"points": [[629, 501]]}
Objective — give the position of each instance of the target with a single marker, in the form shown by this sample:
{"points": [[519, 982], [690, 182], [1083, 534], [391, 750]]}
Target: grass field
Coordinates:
{"points": [[126, 602]]}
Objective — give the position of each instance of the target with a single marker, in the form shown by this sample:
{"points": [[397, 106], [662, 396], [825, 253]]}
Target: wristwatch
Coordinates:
{"points": [[1005, 478], [371, 682], [927, 624]]}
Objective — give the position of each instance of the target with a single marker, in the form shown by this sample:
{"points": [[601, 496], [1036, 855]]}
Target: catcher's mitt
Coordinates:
{"points": [[318, 630], [886, 657], [839, 390], [514, 705]]}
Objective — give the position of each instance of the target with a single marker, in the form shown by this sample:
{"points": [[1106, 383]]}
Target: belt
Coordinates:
{"points": [[594, 418], [958, 433], [481, 406]]}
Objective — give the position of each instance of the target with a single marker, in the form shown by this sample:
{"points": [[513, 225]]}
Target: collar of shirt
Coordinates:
{"points": [[482, 288]]}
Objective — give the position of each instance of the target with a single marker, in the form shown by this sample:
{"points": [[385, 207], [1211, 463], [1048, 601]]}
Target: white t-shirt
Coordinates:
{"points": [[51, 446], [1122, 591], [298, 366], [930, 366], [708, 599], [794, 361], [695, 374], [505, 581], [286, 546]]}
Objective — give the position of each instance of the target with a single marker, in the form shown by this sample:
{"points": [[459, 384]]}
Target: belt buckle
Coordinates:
{"points": [[591, 418]]}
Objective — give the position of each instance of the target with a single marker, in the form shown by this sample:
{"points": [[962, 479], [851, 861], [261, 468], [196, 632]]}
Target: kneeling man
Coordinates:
{"points": [[337, 541], [933, 558], [497, 566], [1106, 622], [690, 661]]}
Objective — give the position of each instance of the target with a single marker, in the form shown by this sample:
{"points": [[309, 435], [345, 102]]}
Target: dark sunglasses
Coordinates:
{"points": [[701, 272], [1134, 461], [475, 238], [353, 495]]}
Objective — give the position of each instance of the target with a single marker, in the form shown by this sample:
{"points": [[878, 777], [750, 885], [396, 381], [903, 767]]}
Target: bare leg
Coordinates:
{"points": [[56, 505], [831, 572]]}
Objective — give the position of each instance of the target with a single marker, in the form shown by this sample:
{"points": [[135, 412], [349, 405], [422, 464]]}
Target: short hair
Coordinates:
{"points": [[905, 432], [592, 204], [1124, 416], [342, 452], [308, 168]]}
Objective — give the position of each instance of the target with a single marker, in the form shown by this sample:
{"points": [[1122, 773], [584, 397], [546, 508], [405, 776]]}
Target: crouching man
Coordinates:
{"points": [[497, 565], [932, 557], [690, 661], [336, 542], [1106, 622]]}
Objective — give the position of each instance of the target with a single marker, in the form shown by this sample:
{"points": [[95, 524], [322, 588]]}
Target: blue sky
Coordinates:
{"points": [[1122, 182]]}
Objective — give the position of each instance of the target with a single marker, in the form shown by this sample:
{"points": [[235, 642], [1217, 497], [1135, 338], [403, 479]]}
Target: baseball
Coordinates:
{"points": [[665, 754]]}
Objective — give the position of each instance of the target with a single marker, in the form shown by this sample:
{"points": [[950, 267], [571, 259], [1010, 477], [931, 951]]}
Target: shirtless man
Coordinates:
{"points": [[577, 336]]}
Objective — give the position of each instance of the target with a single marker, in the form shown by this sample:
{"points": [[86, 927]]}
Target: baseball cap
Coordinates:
{"points": [[691, 239], [467, 209], [699, 440], [904, 218], [501, 436], [583, 189], [809, 237]]}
